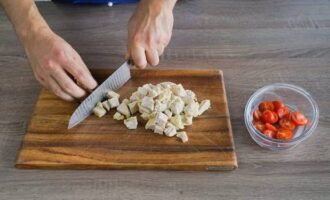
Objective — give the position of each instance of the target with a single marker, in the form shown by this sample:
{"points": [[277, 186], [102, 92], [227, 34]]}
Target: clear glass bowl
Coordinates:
{"points": [[296, 99]]}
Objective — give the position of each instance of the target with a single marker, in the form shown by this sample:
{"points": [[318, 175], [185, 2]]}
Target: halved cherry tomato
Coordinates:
{"points": [[283, 112], [286, 123], [257, 115], [259, 126], [269, 116], [299, 119], [278, 105], [269, 133], [266, 105], [270, 127], [284, 134]]}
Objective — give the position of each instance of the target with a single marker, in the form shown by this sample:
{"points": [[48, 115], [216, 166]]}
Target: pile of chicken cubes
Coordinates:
{"points": [[166, 108]]}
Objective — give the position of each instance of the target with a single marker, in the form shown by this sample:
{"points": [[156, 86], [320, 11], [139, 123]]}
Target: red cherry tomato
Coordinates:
{"points": [[269, 133], [257, 115], [269, 116], [271, 127], [284, 134], [298, 118], [278, 104], [286, 123], [283, 112], [266, 105], [260, 126]]}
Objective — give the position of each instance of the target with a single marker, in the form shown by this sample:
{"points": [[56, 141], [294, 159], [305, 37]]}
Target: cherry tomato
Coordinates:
{"points": [[269, 133], [286, 123], [257, 115], [269, 116], [259, 126], [278, 104], [266, 105], [270, 127], [283, 112], [284, 134], [299, 119]]}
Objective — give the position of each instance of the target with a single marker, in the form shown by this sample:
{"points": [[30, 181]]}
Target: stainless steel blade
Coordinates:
{"points": [[113, 82]]}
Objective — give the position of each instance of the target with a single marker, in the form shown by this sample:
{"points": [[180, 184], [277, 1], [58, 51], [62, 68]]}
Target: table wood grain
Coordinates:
{"points": [[255, 43]]}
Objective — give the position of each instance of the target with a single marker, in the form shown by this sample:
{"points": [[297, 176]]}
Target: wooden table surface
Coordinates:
{"points": [[255, 43]]}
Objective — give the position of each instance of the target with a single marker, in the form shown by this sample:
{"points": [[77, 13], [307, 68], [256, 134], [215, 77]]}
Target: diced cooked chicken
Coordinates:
{"points": [[192, 109], [151, 124], [168, 113], [131, 123], [187, 120], [106, 105], [123, 109], [170, 130], [143, 109], [179, 90], [114, 102], [136, 96], [145, 116], [118, 116], [111, 94], [133, 107], [159, 130], [177, 106], [159, 106], [125, 101], [166, 107], [99, 110], [183, 136], [205, 104], [148, 103], [161, 119], [143, 90], [176, 120]]}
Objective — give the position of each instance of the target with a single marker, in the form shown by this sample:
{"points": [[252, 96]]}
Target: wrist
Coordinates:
{"points": [[160, 5]]}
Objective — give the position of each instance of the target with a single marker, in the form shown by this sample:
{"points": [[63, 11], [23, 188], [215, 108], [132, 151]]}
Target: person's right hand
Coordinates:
{"points": [[54, 62]]}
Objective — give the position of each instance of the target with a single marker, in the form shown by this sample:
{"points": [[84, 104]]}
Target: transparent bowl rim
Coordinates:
{"points": [[298, 89]]}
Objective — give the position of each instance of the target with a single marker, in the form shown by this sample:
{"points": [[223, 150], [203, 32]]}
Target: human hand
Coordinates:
{"points": [[149, 31], [54, 62]]}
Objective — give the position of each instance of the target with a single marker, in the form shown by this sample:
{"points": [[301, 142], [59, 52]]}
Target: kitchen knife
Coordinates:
{"points": [[113, 82]]}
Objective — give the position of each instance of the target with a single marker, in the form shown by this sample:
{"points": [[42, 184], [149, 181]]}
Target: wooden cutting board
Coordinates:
{"points": [[104, 143]]}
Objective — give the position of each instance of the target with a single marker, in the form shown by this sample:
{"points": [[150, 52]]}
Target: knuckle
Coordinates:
{"points": [[57, 92], [79, 75], [60, 55], [67, 87], [137, 38], [48, 64]]}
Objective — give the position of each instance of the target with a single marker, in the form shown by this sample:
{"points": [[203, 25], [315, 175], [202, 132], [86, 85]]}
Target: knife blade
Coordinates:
{"points": [[113, 82]]}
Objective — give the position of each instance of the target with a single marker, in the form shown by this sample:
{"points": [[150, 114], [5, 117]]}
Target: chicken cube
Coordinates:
{"points": [[183, 136], [123, 109], [118, 116], [113, 102], [205, 104], [111, 94], [131, 123], [133, 107]]}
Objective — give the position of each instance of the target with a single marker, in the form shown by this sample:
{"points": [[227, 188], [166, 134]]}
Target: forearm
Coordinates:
{"points": [[25, 17]]}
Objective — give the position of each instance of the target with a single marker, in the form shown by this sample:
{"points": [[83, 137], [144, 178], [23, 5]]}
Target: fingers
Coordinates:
{"points": [[160, 49], [67, 84], [53, 86], [139, 57], [152, 57], [80, 72]]}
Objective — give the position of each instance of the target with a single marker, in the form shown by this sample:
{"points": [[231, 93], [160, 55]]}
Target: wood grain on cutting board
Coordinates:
{"points": [[104, 143]]}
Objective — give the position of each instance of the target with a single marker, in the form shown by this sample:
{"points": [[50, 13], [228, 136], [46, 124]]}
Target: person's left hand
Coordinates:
{"points": [[149, 31]]}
